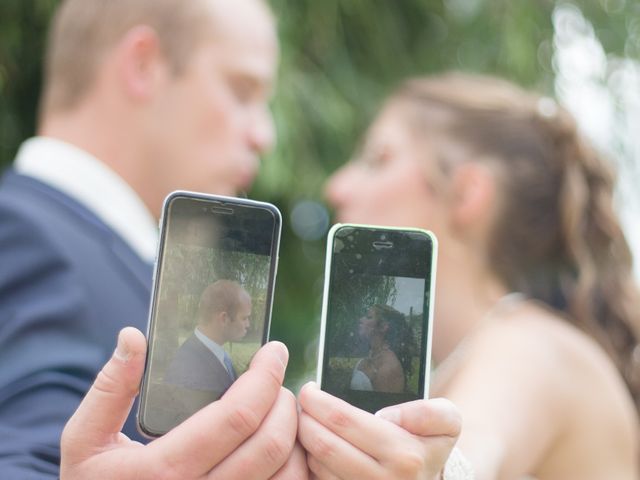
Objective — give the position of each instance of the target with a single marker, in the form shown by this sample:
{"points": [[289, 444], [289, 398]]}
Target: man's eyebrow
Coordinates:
{"points": [[255, 78]]}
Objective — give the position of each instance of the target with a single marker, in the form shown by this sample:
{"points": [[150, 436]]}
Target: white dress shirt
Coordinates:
{"points": [[216, 349], [93, 184]]}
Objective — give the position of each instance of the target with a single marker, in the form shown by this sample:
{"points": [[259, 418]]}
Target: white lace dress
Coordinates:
{"points": [[360, 380]]}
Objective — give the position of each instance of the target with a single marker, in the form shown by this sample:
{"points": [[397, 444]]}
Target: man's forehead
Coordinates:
{"points": [[247, 15], [243, 35]]}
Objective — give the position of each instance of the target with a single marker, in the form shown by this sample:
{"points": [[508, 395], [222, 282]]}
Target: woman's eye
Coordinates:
{"points": [[375, 158]]}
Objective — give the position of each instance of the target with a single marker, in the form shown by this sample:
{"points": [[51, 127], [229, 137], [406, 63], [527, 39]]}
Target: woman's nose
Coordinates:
{"points": [[340, 185]]}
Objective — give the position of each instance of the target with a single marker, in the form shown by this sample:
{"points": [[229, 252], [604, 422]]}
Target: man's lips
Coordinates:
{"points": [[245, 180]]}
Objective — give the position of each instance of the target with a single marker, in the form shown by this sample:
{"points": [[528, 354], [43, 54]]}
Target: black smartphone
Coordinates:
{"points": [[211, 302], [375, 338]]}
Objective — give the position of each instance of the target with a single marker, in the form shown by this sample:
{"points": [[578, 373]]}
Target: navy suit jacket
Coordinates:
{"points": [[68, 284], [195, 366]]}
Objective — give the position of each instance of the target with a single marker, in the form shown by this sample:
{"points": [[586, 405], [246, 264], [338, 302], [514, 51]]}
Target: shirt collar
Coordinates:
{"points": [[92, 183], [216, 349]]}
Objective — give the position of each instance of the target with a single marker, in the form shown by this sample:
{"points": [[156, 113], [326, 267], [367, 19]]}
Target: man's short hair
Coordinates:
{"points": [[82, 31], [221, 296]]}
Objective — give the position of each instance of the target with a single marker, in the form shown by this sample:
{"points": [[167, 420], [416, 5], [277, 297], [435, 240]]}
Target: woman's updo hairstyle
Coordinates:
{"points": [[399, 335], [555, 237]]}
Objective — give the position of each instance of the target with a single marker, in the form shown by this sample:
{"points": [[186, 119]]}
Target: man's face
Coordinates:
{"points": [[212, 121], [239, 325]]}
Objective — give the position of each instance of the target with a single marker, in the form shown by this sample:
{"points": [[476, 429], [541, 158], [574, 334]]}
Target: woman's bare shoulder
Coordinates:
{"points": [[558, 357], [553, 382], [559, 346]]}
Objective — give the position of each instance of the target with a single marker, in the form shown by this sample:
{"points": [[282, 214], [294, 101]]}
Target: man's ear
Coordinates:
{"points": [[224, 317], [473, 194], [140, 62]]}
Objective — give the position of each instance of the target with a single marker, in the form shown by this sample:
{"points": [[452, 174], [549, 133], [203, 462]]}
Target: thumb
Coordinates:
{"points": [[101, 415], [437, 421], [433, 417]]}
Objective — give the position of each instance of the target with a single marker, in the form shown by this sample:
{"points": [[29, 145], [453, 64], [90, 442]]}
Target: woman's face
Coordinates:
{"points": [[367, 324], [388, 183]]}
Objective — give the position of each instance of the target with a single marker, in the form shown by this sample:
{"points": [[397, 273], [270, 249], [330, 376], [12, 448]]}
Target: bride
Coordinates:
{"points": [[388, 364]]}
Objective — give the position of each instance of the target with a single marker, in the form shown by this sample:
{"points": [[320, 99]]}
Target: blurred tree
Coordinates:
{"points": [[339, 58], [23, 26]]}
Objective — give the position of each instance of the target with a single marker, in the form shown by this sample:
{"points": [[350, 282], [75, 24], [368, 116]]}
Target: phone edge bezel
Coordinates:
{"points": [[325, 295], [142, 429]]}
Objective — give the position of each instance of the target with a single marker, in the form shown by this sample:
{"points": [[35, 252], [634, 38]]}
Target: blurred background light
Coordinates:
{"points": [[309, 220], [603, 92]]}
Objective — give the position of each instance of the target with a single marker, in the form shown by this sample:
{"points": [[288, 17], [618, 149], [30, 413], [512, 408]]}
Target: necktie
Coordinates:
{"points": [[229, 366]]}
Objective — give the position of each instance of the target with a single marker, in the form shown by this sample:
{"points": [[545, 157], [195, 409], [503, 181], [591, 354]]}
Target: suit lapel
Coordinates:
{"points": [[138, 272], [218, 370]]}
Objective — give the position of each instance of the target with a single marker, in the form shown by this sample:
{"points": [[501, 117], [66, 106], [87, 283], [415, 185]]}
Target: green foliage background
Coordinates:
{"points": [[339, 58]]}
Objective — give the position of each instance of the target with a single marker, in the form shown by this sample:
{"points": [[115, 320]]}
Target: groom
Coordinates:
{"points": [[201, 363]]}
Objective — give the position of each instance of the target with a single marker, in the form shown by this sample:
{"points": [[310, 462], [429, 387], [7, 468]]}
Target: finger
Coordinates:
{"points": [[335, 455], [267, 450], [203, 440], [437, 422], [434, 417], [99, 418], [319, 471], [355, 426], [296, 467]]}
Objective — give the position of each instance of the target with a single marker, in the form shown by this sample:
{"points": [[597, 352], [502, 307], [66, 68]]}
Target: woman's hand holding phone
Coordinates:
{"points": [[408, 441], [249, 433], [379, 290]]}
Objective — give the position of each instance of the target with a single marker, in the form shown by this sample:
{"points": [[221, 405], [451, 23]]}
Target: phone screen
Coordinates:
{"points": [[378, 315], [211, 303]]}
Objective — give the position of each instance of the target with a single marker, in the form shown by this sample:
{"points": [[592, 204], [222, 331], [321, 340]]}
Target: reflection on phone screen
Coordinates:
{"points": [[211, 308], [377, 320]]}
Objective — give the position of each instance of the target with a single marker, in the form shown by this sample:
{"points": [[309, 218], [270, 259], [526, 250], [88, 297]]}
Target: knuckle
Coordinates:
{"points": [[322, 449], [105, 381], [243, 420], [338, 420], [108, 382], [277, 449], [167, 469], [410, 464]]}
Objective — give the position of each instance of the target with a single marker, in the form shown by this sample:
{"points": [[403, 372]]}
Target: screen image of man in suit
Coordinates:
{"points": [[201, 363]]}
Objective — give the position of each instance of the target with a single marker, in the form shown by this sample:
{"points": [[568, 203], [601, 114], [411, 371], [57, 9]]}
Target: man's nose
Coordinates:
{"points": [[262, 134]]}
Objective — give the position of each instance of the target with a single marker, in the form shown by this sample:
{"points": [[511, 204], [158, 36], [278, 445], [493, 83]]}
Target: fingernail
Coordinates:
{"points": [[283, 355], [122, 351], [308, 385], [390, 414]]}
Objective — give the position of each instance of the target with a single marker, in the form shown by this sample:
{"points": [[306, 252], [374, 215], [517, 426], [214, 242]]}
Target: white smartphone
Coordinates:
{"points": [[211, 302], [375, 339]]}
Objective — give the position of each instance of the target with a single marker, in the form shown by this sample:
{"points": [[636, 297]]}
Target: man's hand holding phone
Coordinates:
{"points": [[249, 433], [210, 304]]}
